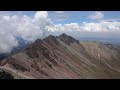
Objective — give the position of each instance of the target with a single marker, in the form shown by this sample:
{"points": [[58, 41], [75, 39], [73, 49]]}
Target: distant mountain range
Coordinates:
{"points": [[63, 57], [114, 41]]}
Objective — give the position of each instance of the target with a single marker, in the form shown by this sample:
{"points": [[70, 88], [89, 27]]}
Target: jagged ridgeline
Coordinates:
{"points": [[64, 57]]}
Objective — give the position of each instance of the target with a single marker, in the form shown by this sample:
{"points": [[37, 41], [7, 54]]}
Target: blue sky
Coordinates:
{"points": [[80, 16], [64, 17]]}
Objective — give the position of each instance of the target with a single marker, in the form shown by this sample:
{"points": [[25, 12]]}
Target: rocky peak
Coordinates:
{"points": [[51, 39], [38, 41], [67, 39]]}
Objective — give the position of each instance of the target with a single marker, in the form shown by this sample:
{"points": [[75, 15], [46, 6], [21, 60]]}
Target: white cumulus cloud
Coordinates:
{"points": [[102, 26], [28, 28], [59, 12], [96, 15]]}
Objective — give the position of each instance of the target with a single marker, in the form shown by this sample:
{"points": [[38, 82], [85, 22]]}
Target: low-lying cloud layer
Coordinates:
{"points": [[102, 26], [40, 25]]}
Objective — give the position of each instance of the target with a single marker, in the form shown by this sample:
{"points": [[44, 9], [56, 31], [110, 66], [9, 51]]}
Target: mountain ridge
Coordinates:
{"points": [[64, 57]]}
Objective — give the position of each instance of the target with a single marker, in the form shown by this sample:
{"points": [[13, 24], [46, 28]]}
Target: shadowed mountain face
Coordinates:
{"points": [[5, 75], [63, 57], [67, 39]]}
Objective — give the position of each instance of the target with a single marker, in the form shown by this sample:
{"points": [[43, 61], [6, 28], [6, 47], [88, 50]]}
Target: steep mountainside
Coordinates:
{"points": [[63, 57]]}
